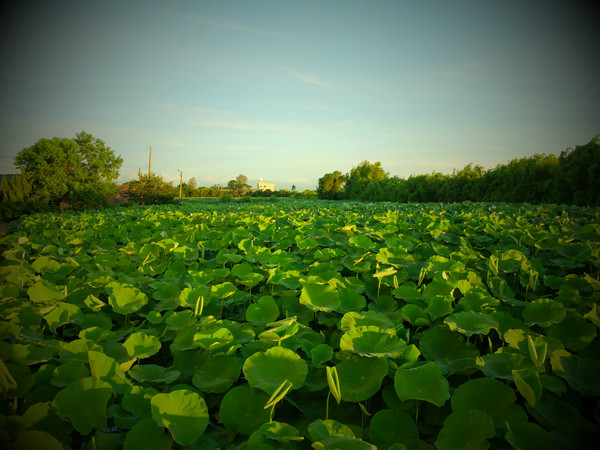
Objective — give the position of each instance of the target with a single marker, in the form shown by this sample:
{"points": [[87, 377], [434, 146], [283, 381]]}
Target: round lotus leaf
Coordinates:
{"points": [[343, 442], [43, 291], [484, 394], [321, 354], [372, 341], [125, 298], [361, 377], [267, 370], [68, 373], [322, 429], [501, 365], [217, 374], [543, 312], [355, 319], [84, 403], [469, 323], [63, 313], [242, 409], [137, 401], [148, 435], [530, 436], [389, 427], [581, 373], [183, 413], [320, 296], [415, 315], [141, 345], [273, 435], [350, 300], [449, 350], [439, 306], [574, 332], [264, 311], [153, 373], [424, 382], [36, 439], [466, 430]]}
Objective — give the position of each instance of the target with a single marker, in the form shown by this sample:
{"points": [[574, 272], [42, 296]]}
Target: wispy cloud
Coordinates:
{"points": [[311, 79], [229, 24], [253, 126]]}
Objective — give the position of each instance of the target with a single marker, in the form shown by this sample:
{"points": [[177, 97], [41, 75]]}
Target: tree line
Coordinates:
{"points": [[573, 177], [79, 173]]}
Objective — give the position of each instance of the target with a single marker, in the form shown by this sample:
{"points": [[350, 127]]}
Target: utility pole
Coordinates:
{"points": [[140, 173], [150, 163], [180, 182]]}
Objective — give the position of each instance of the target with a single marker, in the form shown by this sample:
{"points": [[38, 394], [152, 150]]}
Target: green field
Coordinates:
{"points": [[291, 324]]}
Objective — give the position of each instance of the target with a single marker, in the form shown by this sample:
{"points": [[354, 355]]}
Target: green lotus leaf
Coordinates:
{"points": [[141, 345], [361, 241], [484, 394], [389, 427], [361, 377], [223, 290], [531, 436], [271, 433], [215, 340], [43, 291], [125, 298], [529, 385], [372, 341], [265, 310], [242, 269], [350, 300], [84, 404], [357, 319], [267, 370], [469, 323], [148, 435], [179, 320], [415, 315], [578, 252], [322, 429], [449, 350], [153, 373], [511, 261], [581, 373], [68, 373], [63, 313], [28, 354], [107, 369], [183, 413], [321, 354], [466, 430], [501, 364], [137, 401], [439, 306], [544, 312], [242, 409], [320, 296], [31, 439], [574, 332], [342, 442], [424, 382], [217, 374], [407, 292]]}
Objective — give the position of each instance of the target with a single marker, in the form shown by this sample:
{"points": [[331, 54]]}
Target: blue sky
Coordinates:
{"points": [[288, 91]]}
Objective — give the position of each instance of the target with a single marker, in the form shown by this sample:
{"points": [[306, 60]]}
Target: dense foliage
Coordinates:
{"points": [[336, 324], [150, 189], [75, 171], [571, 178]]}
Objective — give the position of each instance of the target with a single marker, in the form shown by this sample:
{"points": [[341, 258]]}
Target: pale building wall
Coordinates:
{"points": [[263, 186]]}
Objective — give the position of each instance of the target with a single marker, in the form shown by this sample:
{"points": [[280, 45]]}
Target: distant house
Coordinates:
{"points": [[121, 197], [264, 186]]}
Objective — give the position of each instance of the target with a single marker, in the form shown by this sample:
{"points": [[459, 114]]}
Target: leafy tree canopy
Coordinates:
{"points": [[69, 169], [331, 185]]}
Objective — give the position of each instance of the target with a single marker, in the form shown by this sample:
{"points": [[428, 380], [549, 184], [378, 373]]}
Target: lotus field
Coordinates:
{"points": [[302, 323]]}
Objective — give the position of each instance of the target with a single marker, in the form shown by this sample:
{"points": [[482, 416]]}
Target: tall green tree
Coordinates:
{"points": [[331, 186], [151, 189], [360, 175], [70, 169]]}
